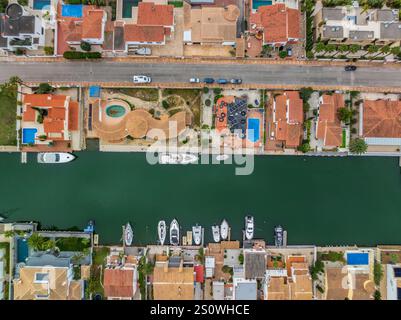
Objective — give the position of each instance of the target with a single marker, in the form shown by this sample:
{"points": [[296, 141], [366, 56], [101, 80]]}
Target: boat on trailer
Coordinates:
{"points": [[216, 233], [162, 231], [249, 227], [174, 233], [197, 234], [224, 229], [128, 234]]}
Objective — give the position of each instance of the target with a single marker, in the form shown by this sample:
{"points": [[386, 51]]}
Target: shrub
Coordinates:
{"points": [[310, 55], [85, 46], [283, 54], [205, 90], [81, 55], [165, 104], [354, 48], [305, 93], [217, 90], [44, 88], [217, 97], [305, 147], [320, 47], [208, 102], [19, 52], [49, 51], [358, 146]]}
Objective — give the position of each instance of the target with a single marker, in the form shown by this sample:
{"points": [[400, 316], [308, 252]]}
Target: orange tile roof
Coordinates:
{"points": [[150, 14], [293, 135], [53, 125], [329, 126], [295, 108], [44, 100], [119, 283], [382, 118], [29, 114], [281, 108], [56, 113], [279, 22], [136, 33], [92, 23], [73, 116]]}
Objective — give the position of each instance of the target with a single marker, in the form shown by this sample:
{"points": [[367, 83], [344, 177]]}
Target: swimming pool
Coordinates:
{"points": [[40, 4], [22, 250], [72, 10], [357, 258], [127, 7], [258, 3], [28, 135], [253, 129], [115, 111]]}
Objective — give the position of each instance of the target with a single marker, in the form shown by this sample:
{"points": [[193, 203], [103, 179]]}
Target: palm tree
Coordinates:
{"points": [[35, 241], [77, 258]]}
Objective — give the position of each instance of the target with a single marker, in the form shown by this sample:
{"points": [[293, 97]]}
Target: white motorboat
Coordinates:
{"points": [[224, 229], [222, 157], [161, 231], [249, 227], [216, 233], [177, 158], [128, 234], [55, 157], [197, 234], [174, 233], [278, 236]]}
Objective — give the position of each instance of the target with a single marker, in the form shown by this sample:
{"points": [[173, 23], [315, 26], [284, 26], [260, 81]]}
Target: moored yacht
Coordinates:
{"points": [[174, 233], [128, 234], [177, 158], [197, 234], [161, 231], [224, 229], [278, 236], [55, 157], [216, 233], [249, 227]]}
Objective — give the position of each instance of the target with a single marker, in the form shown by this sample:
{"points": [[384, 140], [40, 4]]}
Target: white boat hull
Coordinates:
{"points": [[224, 230], [55, 157], [174, 233], [197, 234], [161, 231], [177, 158], [249, 227], [128, 235], [216, 233]]}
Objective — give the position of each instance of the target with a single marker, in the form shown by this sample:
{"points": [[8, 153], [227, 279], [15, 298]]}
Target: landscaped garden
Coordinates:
{"points": [[8, 116], [145, 94]]}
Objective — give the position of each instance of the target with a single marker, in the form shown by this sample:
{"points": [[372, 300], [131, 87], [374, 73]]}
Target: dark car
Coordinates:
{"points": [[350, 68], [208, 80], [222, 81], [236, 81]]}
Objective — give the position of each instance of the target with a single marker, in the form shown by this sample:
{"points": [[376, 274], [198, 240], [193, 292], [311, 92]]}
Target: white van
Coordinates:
{"points": [[141, 79]]}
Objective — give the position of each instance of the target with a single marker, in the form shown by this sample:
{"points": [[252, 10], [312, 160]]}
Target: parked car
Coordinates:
{"points": [[222, 81], [143, 52], [289, 52], [194, 80], [141, 79], [208, 80], [236, 81], [350, 68]]}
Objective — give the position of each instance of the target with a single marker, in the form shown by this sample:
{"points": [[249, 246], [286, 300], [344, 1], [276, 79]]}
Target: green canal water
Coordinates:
{"points": [[318, 200]]}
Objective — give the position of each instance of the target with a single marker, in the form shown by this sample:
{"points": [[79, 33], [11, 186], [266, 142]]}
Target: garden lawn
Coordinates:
{"points": [[145, 94], [344, 143], [8, 115]]}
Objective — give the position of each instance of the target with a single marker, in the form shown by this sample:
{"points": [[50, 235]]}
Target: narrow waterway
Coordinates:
{"points": [[318, 200]]}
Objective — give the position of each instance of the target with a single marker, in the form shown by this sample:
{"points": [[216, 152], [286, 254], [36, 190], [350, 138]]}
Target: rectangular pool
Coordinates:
{"points": [[258, 3], [358, 258], [40, 4], [28, 135], [22, 250], [127, 7], [253, 129], [72, 10]]}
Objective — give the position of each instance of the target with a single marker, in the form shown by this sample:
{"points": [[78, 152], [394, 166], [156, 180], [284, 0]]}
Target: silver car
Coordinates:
{"points": [[194, 80], [141, 79]]}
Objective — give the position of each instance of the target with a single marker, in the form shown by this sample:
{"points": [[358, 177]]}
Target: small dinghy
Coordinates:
{"points": [[174, 233], [197, 234], [224, 229], [216, 233], [128, 234], [161, 231]]}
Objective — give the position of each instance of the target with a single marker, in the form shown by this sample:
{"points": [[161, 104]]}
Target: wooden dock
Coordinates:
{"points": [[24, 157]]}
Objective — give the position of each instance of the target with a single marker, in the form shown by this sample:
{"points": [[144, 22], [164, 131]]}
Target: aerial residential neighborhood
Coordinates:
{"points": [[200, 150]]}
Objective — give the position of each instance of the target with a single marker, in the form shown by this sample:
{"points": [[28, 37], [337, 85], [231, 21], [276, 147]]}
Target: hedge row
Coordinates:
{"points": [[81, 55]]}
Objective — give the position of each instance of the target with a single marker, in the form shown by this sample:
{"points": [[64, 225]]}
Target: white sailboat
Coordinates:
{"points": [[128, 234], [249, 227], [161, 231], [197, 234], [216, 233], [174, 233], [177, 158], [224, 229]]}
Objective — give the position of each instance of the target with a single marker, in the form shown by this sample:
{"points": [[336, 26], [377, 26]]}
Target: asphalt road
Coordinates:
{"points": [[258, 74]]}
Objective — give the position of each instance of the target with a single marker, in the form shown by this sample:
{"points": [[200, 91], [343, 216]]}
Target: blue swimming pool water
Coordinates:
{"points": [[258, 3], [358, 258], [253, 125], [72, 10], [127, 7], [22, 250], [28, 135], [40, 4]]}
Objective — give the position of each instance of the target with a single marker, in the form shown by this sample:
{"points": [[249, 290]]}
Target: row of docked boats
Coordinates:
{"points": [[219, 232]]}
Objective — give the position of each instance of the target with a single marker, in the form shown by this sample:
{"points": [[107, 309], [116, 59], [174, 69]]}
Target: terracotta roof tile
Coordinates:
{"points": [[329, 126], [150, 14], [73, 116], [92, 23], [136, 33], [118, 283]]}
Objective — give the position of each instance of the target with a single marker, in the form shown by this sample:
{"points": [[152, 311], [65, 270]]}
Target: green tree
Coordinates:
{"points": [[305, 93], [377, 295], [241, 258], [377, 273], [49, 51], [320, 47], [44, 88], [385, 49], [373, 48], [283, 54], [3, 5], [343, 48], [354, 48], [331, 47], [85, 46], [304, 147], [358, 146], [36, 241], [344, 114]]}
